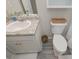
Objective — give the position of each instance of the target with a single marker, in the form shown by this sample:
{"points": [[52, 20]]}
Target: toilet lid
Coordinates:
{"points": [[59, 43]]}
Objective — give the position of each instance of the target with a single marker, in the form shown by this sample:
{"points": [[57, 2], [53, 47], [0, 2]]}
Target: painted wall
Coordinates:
{"points": [[14, 6], [27, 5], [34, 7], [46, 15]]}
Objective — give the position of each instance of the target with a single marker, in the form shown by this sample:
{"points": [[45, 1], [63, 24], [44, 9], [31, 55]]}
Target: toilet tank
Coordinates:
{"points": [[58, 25]]}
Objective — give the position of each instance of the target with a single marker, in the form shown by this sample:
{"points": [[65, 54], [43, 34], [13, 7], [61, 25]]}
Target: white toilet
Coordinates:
{"points": [[59, 42]]}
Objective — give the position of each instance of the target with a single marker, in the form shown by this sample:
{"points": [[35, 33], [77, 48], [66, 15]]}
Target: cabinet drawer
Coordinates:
{"points": [[22, 46], [19, 38]]}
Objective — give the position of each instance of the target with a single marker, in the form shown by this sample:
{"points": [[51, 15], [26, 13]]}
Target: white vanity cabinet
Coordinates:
{"points": [[25, 43]]}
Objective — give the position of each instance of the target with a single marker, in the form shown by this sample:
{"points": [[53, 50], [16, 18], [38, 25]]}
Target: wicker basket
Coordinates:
{"points": [[44, 38]]}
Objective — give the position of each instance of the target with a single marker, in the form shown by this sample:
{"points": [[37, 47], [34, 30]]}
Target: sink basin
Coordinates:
{"points": [[18, 25]]}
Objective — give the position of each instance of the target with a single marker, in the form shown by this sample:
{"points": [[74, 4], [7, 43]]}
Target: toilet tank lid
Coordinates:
{"points": [[59, 42]]}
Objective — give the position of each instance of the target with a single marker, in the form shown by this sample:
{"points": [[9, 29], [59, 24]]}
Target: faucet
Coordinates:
{"points": [[22, 18]]}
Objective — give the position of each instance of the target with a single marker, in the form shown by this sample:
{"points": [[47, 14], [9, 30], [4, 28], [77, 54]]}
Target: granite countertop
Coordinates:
{"points": [[30, 31]]}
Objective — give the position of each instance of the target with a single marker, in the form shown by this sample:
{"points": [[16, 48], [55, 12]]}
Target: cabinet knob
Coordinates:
{"points": [[18, 44]]}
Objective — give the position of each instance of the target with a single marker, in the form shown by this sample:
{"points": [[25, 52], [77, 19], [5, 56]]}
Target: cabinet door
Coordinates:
{"points": [[19, 44], [12, 46]]}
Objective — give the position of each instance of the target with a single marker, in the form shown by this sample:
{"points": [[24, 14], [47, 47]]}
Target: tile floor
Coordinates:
{"points": [[47, 52]]}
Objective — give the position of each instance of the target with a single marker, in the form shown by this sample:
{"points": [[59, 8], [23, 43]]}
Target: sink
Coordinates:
{"points": [[18, 25]]}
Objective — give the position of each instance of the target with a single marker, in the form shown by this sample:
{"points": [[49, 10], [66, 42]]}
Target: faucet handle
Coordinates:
{"points": [[21, 18]]}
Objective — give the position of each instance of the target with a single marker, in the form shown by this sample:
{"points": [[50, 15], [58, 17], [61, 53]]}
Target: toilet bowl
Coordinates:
{"points": [[59, 44]]}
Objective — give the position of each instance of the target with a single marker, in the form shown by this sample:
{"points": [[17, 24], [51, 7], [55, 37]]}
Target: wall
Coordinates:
{"points": [[14, 6], [34, 8], [46, 15], [27, 5]]}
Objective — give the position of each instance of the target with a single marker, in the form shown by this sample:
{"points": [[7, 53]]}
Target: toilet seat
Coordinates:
{"points": [[59, 43]]}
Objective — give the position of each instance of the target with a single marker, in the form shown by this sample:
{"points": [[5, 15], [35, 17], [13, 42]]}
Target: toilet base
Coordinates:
{"points": [[56, 53]]}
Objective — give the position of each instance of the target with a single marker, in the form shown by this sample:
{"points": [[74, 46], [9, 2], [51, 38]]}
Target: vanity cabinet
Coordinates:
{"points": [[59, 3], [25, 43]]}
